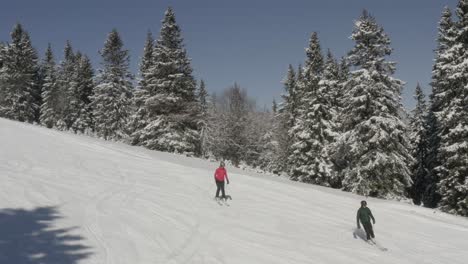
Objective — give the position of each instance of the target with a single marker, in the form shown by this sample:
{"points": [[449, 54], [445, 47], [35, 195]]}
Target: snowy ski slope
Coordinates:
{"points": [[72, 199]]}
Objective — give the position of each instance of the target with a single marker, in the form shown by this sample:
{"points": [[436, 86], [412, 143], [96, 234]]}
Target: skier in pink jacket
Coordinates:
{"points": [[219, 176]]}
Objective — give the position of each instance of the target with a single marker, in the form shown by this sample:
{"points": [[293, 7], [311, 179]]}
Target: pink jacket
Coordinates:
{"points": [[220, 174]]}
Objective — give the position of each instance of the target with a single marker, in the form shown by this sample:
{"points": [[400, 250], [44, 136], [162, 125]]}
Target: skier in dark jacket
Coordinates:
{"points": [[219, 176], [364, 215]]}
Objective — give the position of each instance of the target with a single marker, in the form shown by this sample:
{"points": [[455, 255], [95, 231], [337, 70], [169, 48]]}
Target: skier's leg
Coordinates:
{"points": [[222, 190], [218, 188], [368, 231], [371, 229]]}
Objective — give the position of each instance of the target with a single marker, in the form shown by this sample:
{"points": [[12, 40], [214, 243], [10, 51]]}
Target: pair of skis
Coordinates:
{"points": [[359, 233], [223, 201], [378, 245]]}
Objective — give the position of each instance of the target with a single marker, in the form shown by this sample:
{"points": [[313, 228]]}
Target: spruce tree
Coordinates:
{"points": [[73, 96], [453, 185], [418, 138], [274, 106], [320, 117], [139, 118], [285, 119], [303, 160], [338, 148], [81, 94], [50, 90], [202, 97], [112, 94], [147, 61], [343, 75], [314, 63], [430, 196], [377, 148], [326, 107], [66, 82], [3, 91], [171, 106], [439, 99], [288, 108], [18, 78], [332, 80], [2, 53]]}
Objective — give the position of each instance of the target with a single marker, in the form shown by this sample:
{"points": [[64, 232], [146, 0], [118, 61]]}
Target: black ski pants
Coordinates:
{"points": [[369, 230], [220, 187]]}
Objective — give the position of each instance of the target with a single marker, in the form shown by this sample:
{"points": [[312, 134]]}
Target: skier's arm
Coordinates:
{"points": [[227, 179], [357, 220], [373, 219]]}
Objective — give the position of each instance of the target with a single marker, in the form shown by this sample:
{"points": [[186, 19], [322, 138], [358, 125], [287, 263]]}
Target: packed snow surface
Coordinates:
{"points": [[73, 199]]}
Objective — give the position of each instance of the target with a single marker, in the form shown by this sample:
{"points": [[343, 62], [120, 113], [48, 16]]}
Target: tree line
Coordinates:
{"points": [[340, 123]]}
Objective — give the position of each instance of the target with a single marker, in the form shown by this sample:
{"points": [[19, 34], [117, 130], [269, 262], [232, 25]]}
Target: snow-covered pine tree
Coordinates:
{"points": [[18, 78], [332, 79], [202, 97], [314, 63], [441, 92], [418, 138], [320, 117], [326, 107], [302, 160], [171, 106], [453, 153], [300, 83], [439, 99], [337, 149], [2, 53], [139, 118], [65, 81], [74, 105], [50, 94], [377, 150], [284, 120], [430, 197], [343, 76], [274, 106], [112, 95], [147, 61], [288, 108], [81, 94], [3, 91]]}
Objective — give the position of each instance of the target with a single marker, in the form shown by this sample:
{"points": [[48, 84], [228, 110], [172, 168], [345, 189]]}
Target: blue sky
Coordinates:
{"points": [[250, 42]]}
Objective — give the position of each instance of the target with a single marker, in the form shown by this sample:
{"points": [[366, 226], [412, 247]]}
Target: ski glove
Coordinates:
{"points": [[227, 181]]}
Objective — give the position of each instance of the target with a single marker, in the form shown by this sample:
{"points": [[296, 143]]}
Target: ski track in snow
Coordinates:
{"points": [[133, 205]]}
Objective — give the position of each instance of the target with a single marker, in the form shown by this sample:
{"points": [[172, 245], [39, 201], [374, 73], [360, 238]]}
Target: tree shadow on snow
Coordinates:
{"points": [[28, 237]]}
